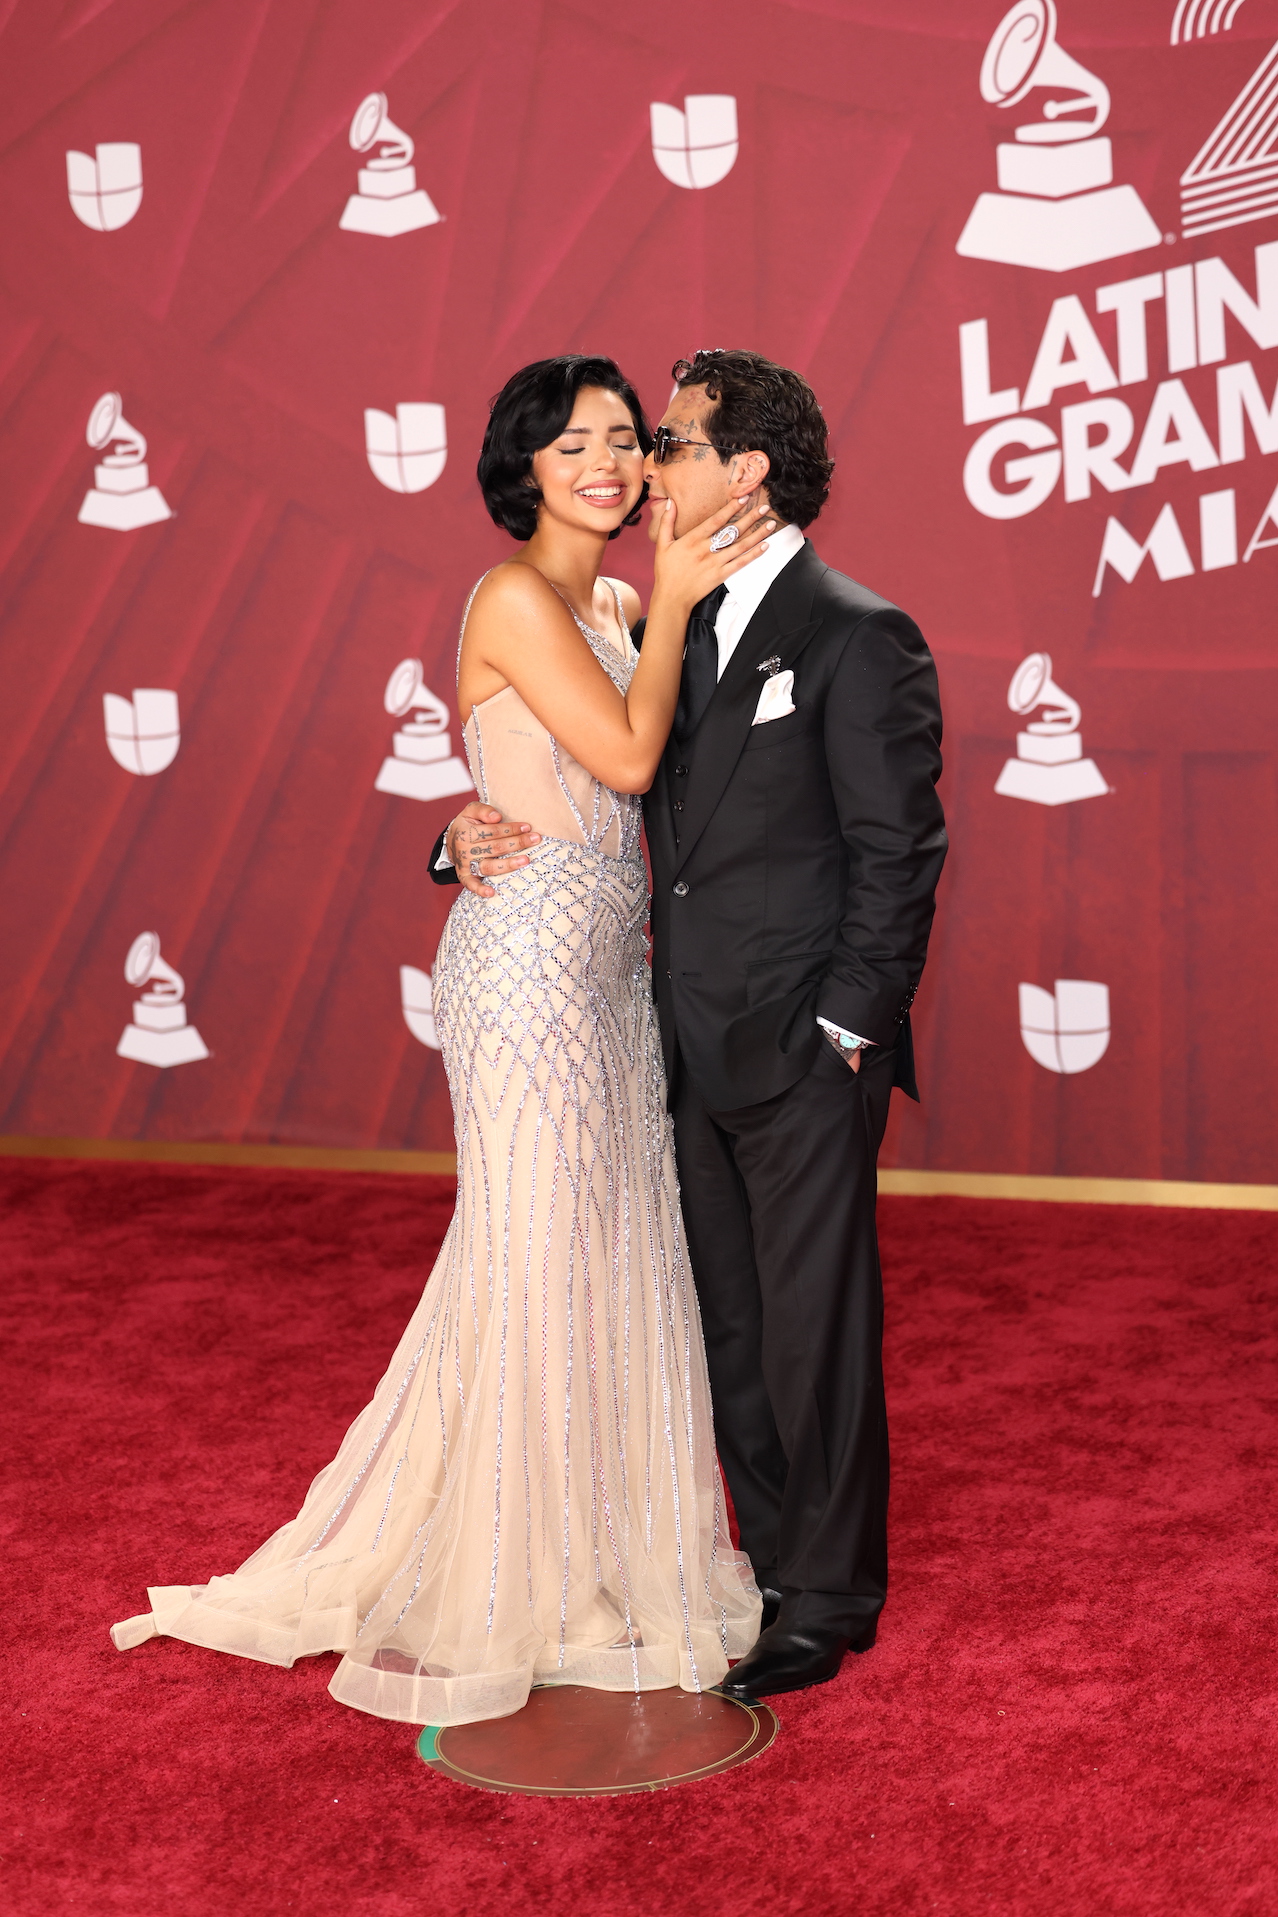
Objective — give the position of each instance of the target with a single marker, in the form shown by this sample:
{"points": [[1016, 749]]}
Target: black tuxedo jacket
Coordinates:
{"points": [[795, 863]]}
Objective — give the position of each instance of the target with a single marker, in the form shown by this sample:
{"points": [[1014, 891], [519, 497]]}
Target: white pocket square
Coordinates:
{"points": [[775, 700]]}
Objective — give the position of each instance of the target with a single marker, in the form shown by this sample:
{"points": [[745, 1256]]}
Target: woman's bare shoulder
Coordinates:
{"points": [[514, 586]]}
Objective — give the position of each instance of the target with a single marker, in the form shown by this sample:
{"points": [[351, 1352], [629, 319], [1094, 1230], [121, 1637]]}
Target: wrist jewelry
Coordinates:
{"points": [[843, 1043]]}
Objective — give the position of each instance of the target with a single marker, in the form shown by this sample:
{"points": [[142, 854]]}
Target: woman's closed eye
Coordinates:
{"points": [[632, 446]]}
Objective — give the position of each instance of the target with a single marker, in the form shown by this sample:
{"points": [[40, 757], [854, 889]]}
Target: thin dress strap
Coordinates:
{"points": [[622, 621], [465, 616]]}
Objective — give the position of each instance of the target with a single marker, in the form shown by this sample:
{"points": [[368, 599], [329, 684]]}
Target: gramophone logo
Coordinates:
{"points": [[697, 147], [159, 1034], [121, 496], [1056, 207], [107, 191], [389, 200], [423, 764], [1069, 1031], [407, 449], [416, 995], [142, 733], [1049, 767]]}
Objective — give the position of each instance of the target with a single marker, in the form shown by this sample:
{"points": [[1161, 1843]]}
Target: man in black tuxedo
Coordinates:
{"points": [[796, 841]]}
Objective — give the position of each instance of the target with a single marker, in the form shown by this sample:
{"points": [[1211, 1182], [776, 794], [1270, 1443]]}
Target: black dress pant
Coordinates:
{"points": [[778, 1200]]}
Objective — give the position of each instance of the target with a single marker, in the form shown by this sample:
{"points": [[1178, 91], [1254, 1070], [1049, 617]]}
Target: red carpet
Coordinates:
{"points": [[1072, 1705]]}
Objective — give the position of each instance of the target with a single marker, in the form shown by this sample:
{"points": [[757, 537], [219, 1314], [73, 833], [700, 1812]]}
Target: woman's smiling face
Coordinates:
{"points": [[591, 474]]}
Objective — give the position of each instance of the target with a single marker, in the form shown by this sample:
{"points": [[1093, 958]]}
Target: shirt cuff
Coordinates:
{"points": [[847, 1040], [443, 863]]}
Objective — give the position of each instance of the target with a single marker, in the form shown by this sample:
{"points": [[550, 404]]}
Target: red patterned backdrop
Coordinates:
{"points": [[248, 332]]}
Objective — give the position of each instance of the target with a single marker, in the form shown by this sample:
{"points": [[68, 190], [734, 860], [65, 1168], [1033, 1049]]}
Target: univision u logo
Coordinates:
{"points": [[142, 733], [1066, 1030], [106, 192], [408, 449], [697, 147]]}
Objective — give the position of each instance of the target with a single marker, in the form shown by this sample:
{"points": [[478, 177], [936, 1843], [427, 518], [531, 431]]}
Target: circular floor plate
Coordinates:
{"points": [[569, 1741]]}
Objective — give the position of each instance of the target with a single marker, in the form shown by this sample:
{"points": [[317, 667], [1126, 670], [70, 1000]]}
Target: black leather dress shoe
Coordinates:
{"points": [[791, 1660], [771, 1596]]}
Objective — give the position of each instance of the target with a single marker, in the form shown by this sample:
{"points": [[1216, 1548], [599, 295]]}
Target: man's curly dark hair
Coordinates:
{"points": [[759, 406], [529, 412]]}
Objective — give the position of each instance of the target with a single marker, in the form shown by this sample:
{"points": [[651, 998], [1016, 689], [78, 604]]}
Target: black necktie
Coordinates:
{"points": [[700, 664]]}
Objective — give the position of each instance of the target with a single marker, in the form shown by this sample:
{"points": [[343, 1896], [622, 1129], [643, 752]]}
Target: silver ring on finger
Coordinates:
{"points": [[726, 536]]}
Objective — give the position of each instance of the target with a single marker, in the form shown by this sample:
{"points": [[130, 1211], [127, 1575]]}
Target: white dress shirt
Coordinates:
{"points": [[747, 588]]}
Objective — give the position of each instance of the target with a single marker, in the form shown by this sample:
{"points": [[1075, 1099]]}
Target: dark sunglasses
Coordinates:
{"points": [[663, 439]]}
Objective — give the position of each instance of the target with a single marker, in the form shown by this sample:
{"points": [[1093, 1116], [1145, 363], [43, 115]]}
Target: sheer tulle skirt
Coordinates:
{"points": [[532, 1495]]}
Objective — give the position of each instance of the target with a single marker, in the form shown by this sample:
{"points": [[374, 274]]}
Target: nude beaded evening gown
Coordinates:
{"points": [[533, 1495]]}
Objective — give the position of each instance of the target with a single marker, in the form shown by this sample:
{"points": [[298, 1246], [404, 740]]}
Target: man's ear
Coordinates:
{"points": [[752, 471]]}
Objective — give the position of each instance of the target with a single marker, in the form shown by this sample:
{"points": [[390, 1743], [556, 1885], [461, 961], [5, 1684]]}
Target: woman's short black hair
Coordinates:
{"points": [[529, 412], [763, 407]]}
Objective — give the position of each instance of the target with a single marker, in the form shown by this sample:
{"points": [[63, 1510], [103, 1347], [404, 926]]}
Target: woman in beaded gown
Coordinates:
{"points": [[532, 1495]]}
